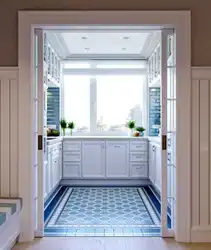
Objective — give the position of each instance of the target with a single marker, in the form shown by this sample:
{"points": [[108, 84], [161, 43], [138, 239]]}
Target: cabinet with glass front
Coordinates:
{"points": [[52, 62]]}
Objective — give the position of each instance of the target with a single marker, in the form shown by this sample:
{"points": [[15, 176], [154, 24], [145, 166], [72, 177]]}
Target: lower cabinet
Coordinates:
{"points": [[139, 169], [155, 170], [105, 158], [71, 170], [117, 162], [53, 168], [158, 178], [93, 159]]}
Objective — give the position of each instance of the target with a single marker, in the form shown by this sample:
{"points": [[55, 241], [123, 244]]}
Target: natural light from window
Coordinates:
{"points": [[105, 105]]}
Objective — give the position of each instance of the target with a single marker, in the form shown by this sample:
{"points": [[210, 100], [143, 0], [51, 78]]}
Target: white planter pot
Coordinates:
{"points": [[130, 132]]}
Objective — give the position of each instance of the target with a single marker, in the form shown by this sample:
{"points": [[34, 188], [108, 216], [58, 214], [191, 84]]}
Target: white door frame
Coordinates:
{"points": [[180, 21]]}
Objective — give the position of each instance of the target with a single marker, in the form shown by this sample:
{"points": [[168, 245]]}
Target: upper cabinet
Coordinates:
{"points": [[52, 62], [154, 66]]}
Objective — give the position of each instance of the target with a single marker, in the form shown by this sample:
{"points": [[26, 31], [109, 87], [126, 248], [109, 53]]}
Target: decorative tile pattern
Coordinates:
{"points": [[103, 212]]}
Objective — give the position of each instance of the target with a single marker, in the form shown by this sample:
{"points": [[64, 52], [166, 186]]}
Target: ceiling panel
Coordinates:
{"points": [[105, 43]]}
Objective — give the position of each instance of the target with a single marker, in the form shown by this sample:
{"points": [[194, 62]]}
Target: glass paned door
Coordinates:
{"points": [[168, 100], [41, 134]]}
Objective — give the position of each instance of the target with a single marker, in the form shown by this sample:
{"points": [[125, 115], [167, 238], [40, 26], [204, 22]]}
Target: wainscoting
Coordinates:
{"points": [[9, 132], [201, 146], [201, 155]]}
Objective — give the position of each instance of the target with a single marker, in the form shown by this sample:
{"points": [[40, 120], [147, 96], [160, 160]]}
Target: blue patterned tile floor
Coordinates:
{"points": [[102, 211]]}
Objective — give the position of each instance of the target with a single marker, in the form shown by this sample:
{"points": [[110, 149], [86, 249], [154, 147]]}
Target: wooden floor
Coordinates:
{"points": [[106, 243]]}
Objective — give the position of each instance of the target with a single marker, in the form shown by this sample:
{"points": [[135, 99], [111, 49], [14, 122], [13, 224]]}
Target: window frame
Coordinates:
{"points": [[93, 71]]}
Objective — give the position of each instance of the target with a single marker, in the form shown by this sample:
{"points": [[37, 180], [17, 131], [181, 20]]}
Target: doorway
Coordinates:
{"points": [[84, 85], [164, 215]]}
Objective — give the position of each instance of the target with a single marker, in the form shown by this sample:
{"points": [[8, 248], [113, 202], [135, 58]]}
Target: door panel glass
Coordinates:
{"points": [[171, 135]]}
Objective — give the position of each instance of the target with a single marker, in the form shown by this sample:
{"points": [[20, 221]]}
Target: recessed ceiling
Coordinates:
{"points": [[102, 43], [105, 43]]}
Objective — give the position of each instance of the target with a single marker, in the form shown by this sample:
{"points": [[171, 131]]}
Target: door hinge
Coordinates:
{"points": [[40, 142], [163, 142]]}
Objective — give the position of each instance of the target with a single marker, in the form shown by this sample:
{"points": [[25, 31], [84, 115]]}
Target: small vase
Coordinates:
{"points": [[130, 132], [71, 132], [142, 133], [63, 132]]}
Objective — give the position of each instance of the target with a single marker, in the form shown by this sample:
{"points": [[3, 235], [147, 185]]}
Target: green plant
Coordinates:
{"points": [[55, 132], [140, 129], [71, 126], [63, 124], [131, 124]]}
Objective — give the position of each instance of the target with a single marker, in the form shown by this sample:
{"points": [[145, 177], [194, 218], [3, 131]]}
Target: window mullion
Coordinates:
{"points": [[93, 105]]}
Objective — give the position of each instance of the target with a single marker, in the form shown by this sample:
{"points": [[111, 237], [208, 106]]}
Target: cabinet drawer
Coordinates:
{"points": [[71, 170], [72, 145], [71, 156], [139, 170], [138, 145], [139, 156]]}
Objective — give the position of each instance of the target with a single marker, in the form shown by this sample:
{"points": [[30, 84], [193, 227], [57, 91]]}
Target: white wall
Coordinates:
{"points": [[201, 154], [201, 145], [9, 132]]}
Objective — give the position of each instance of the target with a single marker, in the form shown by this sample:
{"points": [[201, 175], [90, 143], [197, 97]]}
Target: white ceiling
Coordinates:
{"points": [[101, 43]]}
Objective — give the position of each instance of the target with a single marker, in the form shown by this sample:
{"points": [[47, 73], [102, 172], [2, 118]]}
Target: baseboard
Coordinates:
{"points": [[111, 182], [200, 234]]}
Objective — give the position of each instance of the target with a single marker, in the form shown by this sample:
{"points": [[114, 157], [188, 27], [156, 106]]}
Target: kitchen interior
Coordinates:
{"points": [[102, 169]]}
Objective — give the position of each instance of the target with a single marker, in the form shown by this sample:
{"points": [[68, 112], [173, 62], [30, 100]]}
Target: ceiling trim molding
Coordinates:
{"points": [[105, 71], [104, 57], [110, 29]]}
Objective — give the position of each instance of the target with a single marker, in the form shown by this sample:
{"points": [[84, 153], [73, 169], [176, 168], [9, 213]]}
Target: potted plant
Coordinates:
{"points": [[63, 124], [140, 130], [71, 126], [131, 125]]}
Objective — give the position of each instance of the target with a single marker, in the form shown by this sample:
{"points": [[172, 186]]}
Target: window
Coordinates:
{"points": [[104, 103], [77, 101], [119, 98]]}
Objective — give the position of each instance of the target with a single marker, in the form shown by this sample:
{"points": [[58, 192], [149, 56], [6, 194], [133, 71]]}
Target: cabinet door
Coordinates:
{"points": [[72, 170], [93, 159], [158, 167], [60, 163], [117, 163], [46, 176], [152, 167], [50, 171]]}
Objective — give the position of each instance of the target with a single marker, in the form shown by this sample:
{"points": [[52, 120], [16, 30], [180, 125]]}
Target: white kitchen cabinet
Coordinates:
{"points": [[158, 156], [93, 159], [152, 168], [53, 168], [72, 169], [155, 168], [138, 170], [117, 162], [72, 159], [138, 157]]}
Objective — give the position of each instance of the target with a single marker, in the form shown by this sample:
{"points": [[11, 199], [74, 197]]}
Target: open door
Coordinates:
{"points": [[40, 106], [168, 128]]}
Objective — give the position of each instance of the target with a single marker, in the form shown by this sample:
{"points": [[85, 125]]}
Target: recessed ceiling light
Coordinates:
{"points": [[126, 37], [83, 37]]}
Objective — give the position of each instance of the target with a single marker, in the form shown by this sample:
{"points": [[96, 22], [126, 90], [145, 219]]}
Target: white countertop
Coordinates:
{"points": [[106, 137], [155, 139]]}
